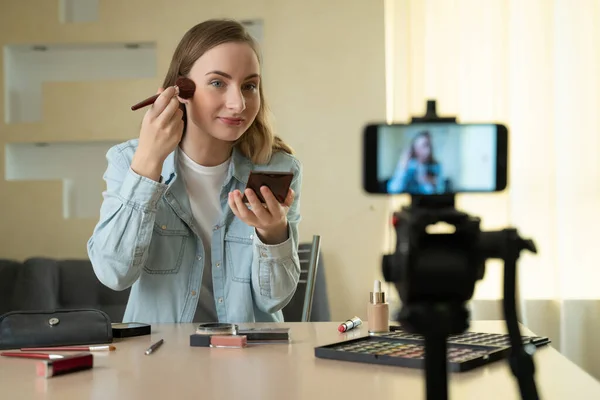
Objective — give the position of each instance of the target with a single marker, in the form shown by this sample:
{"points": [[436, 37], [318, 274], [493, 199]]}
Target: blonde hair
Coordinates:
{"points": [[259, 142]]}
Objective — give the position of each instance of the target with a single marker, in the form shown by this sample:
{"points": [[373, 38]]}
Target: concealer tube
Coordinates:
{"points": [[378, 311]]}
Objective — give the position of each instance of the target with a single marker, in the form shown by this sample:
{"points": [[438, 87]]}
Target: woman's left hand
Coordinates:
{"points": [[270, 219]]}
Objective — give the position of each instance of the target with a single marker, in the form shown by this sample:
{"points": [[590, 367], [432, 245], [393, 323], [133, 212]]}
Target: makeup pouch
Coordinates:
{"points": [[66, 327]]}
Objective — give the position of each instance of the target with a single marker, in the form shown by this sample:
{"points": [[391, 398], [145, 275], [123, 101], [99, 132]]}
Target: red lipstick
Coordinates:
{"points": [[350, 324]]}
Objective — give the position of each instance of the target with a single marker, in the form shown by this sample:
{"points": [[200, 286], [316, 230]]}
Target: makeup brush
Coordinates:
{"points": [[186, 91], [72, 348]]}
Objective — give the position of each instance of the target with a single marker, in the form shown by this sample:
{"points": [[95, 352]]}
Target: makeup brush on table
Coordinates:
{"points": [[186, 86], [72, 348]]}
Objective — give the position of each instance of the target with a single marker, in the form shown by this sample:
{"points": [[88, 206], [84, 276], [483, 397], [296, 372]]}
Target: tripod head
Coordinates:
{"points": [[441, 269], [434, 271]]}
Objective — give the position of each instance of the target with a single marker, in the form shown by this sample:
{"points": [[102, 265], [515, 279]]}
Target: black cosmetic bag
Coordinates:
{"points": [[19, 329]]}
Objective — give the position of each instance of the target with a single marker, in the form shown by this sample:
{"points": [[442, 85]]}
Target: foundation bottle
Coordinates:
{"points": [[378, 311]]}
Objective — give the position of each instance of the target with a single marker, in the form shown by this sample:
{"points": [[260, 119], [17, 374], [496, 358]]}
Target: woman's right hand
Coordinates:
{"points": [[162, 128], [403, 160]]}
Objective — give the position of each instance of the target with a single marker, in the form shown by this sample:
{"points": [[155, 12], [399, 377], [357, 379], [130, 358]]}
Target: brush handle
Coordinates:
{"points": [[144, 103], [26, 355], [56, 349], [71, 348]]}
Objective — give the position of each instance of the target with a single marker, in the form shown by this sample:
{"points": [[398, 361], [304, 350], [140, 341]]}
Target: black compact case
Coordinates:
{"points": [[130, 329], [266, 335], [197, 340], [253, 336]]}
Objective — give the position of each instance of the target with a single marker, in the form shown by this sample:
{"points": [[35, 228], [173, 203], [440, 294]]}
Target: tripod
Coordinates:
{"points": [[435, 276]]}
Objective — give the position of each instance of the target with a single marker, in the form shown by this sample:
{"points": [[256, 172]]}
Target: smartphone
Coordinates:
{"points": [[278, 182], [435, 158]]}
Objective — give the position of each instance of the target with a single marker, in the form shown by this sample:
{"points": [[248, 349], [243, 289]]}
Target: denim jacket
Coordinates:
{"points": [[146, 239], [405, 180]]}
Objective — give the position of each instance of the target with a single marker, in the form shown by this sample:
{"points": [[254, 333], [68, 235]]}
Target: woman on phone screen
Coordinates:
{"points": [[417, 171]]}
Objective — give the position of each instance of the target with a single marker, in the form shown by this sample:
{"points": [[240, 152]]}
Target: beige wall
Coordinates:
{"points": [[324, 80]]}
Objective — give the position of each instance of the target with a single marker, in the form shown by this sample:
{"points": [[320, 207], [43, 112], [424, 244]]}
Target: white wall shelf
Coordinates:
{"points": [[43, 82], [255, 28], [27, 67], [78, 11], [79, 166]]}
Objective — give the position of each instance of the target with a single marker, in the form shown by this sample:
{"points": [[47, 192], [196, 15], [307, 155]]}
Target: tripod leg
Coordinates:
{"points": [[436, 374], [521, 362]]}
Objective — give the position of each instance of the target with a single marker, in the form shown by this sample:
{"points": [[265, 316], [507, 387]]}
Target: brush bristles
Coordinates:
{"points": [[186, 86]]}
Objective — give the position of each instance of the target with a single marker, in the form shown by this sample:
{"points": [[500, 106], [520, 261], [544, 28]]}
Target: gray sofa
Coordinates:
{"points": [[49, 284]]}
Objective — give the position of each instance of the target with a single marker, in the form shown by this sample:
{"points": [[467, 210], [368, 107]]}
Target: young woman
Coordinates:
{"points": [[172, 225], [417, 171]]}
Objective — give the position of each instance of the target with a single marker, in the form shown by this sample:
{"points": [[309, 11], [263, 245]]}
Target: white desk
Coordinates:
{"points": [[277, 372]]}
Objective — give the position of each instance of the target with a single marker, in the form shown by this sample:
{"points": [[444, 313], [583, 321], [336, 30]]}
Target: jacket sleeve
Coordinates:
{"points": [[398, 181], [120, 240], [276, 268]]}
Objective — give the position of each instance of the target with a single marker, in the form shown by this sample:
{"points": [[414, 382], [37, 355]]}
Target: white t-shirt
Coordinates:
{"points": [[204, 190]]}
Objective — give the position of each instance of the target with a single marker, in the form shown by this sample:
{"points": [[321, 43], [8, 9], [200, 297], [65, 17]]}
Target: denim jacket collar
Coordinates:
{"points": [[239, 168]]}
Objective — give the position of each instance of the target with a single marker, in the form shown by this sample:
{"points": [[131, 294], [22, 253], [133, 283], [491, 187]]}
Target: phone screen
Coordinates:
{"points": [[435, 158]]}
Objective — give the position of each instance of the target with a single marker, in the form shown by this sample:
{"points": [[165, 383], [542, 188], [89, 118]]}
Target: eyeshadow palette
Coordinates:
{"points": [[399, 348], [476, 338]]}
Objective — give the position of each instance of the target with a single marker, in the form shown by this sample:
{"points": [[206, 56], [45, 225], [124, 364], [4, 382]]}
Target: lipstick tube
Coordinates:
{"points": [[65, 365], [349, 324]]}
